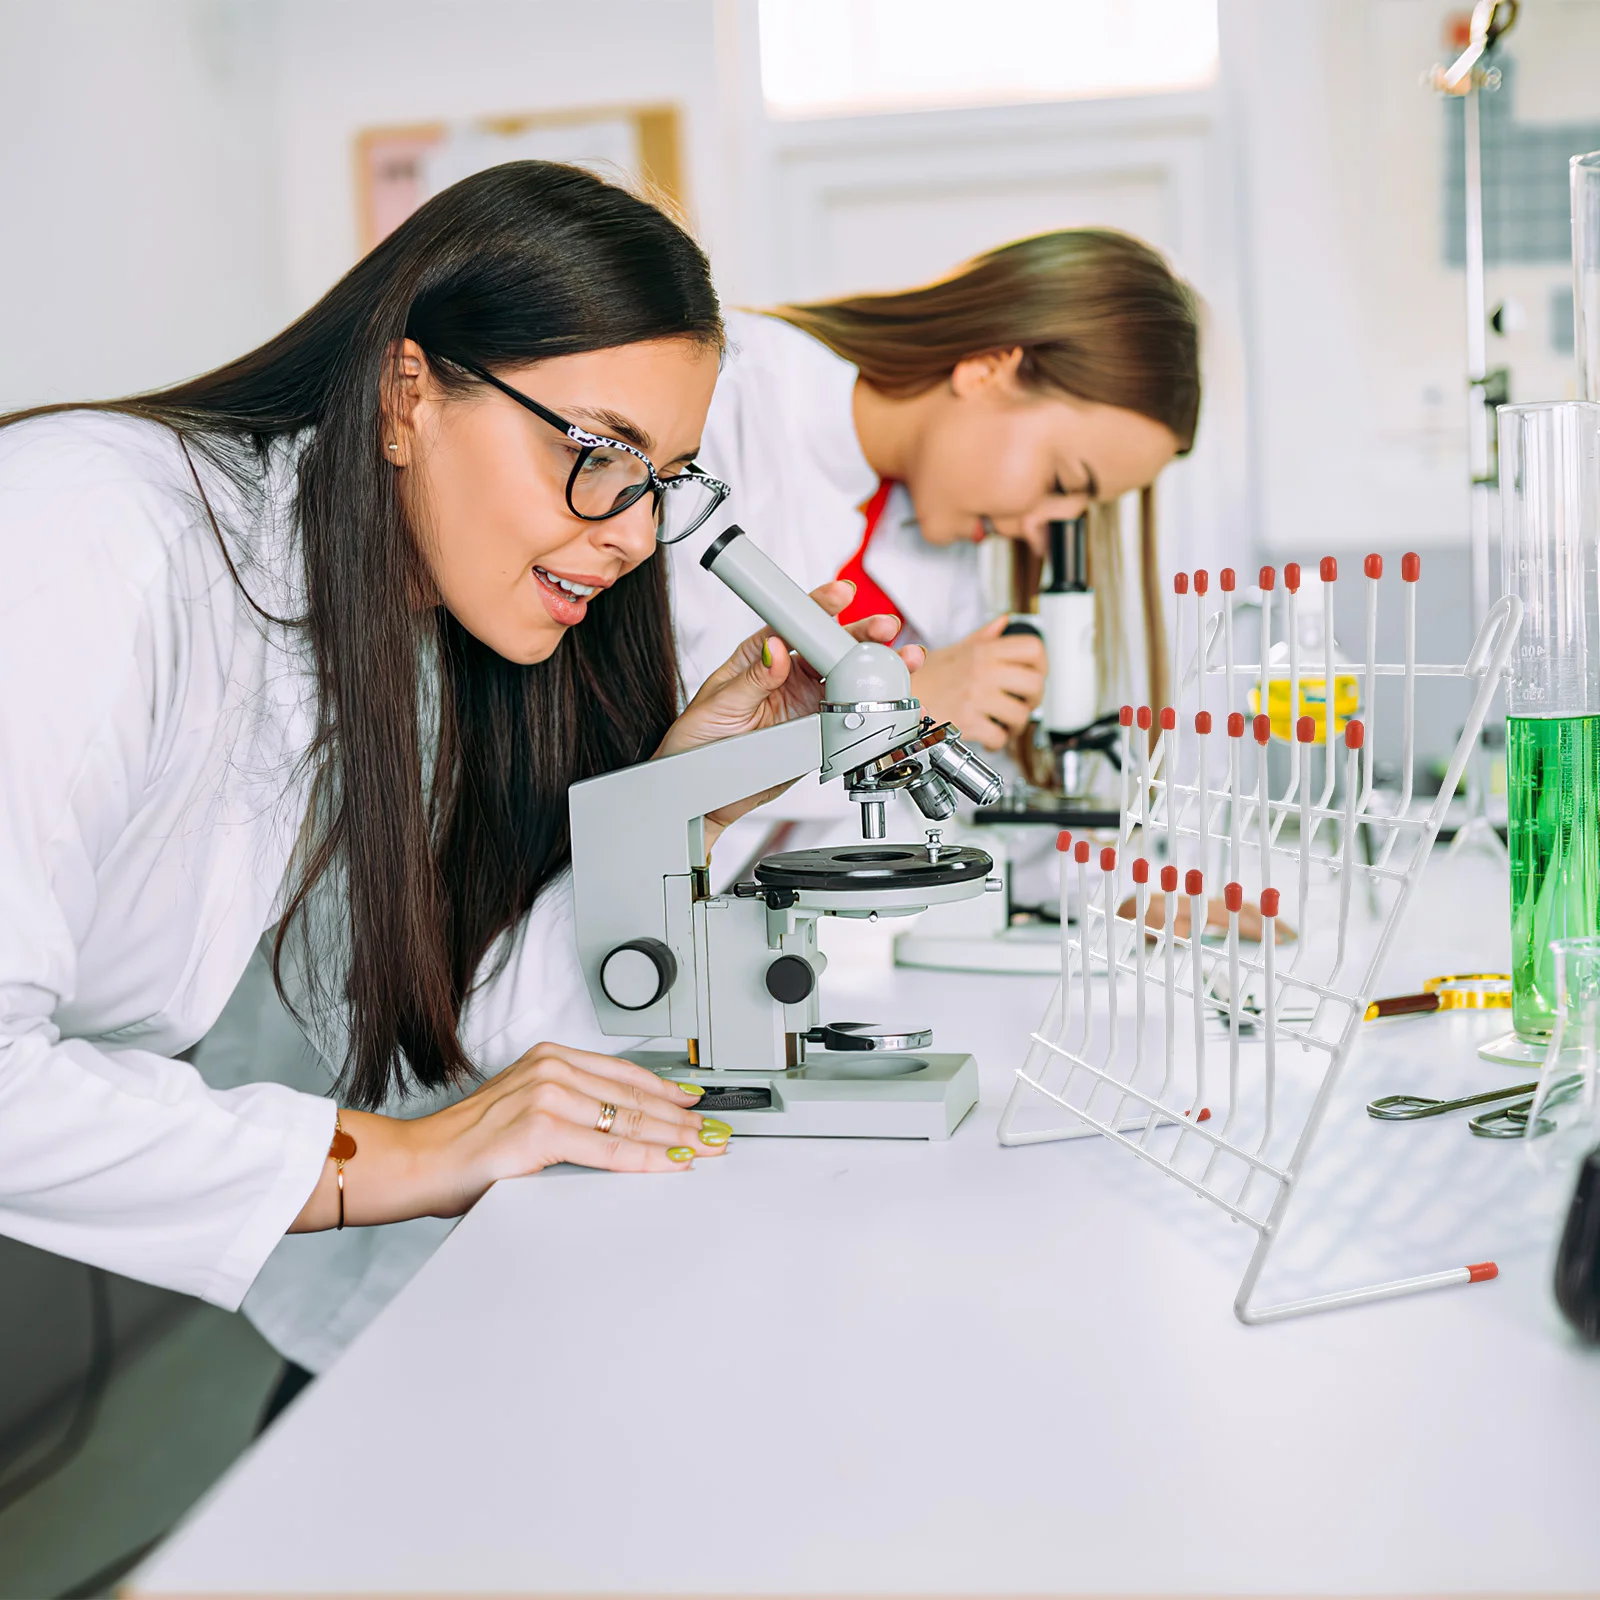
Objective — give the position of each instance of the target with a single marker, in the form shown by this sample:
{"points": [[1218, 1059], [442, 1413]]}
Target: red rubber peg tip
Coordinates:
{"points": [[1482, 1271], [1108, 858], [1233, 896], [1410, 571], [1373, 566], [1125, 716], [1291, 576], [1169, 718], [1194, 882], [1080, 852], [1064, 841], [1180, 583], [1169, 879], [1354, 733], [1267, 579], [1141, 870], [1305, 730], [1236, 724], [1202, 580], [1142, 716], [1205, 1114], [1226, 580], [1269, 902], [1202, 722], [1263, 728], [1329, 569]]}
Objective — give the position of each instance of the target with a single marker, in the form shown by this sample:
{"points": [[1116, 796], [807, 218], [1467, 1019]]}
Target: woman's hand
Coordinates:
{"points": [[987, 685], [762, 684], [1250, 923], [543, 1109]]}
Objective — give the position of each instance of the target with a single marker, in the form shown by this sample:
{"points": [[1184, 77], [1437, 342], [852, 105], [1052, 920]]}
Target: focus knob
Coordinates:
{"points": [[790, 979], [638, 973]]}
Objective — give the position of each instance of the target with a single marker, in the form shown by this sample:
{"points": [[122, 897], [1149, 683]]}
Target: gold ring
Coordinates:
{"points": [[608, 1115]]}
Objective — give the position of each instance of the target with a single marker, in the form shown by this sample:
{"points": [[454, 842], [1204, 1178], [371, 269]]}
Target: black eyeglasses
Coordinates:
{"points": [[608, 476]]}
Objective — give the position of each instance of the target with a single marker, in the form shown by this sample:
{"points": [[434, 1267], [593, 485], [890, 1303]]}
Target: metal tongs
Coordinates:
{"points": [[1412, 1107], [1504, 1122], [1511, 1122]]}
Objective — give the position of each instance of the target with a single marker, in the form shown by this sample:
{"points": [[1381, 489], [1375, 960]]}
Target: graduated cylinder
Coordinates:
{"points": [[1550, 488], [1586, 271]]}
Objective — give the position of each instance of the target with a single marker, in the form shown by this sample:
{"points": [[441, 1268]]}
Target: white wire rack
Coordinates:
{"points": [[1131, 1046]]}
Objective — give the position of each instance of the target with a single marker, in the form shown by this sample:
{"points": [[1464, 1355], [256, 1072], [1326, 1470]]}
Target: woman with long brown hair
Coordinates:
{"points": [[298, 660], [876, 439]]}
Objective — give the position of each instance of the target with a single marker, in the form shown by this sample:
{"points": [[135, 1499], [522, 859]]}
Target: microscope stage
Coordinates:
{"points": [[1041, 809], [837, 1094], [865, 868]]}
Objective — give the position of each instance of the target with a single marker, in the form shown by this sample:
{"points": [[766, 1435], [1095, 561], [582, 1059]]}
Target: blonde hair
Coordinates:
{"points": [[1098, 315]]}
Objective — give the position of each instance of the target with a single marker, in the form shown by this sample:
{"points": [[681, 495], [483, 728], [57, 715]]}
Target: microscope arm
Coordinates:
{"points": [[637, 836]]}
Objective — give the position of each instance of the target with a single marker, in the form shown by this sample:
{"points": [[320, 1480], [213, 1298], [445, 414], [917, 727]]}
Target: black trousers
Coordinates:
{"points": [[290, 1382]]}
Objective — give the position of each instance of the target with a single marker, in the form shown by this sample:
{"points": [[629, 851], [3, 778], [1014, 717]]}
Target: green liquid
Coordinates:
{"points": [[1553, 788]]}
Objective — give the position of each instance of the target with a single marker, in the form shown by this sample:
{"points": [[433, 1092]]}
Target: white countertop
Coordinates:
{"points": [[955, 1368]]}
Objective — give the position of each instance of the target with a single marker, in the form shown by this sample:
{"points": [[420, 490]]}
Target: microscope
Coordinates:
{"points": [[1067, 727], [736, 975]]}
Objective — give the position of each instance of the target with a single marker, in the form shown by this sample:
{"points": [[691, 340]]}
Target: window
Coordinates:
{"points": [[830, 57]]}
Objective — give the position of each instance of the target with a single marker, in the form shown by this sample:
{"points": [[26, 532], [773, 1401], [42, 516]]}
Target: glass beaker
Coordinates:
{"points": [[1550, 546], [1561, 1135], [1586, 272], [1564, 1103]]}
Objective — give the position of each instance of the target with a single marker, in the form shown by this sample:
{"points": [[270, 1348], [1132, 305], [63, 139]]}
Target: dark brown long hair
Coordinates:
{"points": [[521, 263], [1097, 314]]}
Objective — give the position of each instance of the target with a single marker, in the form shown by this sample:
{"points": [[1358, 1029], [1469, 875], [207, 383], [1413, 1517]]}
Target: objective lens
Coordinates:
{"points": [[933, 797], [978, 782]]}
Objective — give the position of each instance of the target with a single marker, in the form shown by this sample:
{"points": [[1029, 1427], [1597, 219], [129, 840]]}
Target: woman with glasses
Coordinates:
{"points": [[878, 439], [298, 661]]}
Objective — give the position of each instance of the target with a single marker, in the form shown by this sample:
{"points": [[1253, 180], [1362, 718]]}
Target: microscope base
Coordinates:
{"points": [[837, 1094]]}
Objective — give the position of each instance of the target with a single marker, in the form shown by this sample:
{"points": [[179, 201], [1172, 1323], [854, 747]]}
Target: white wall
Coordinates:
{"points": [[177, 177], [137, 234], [1356, 327], [342, 67]]}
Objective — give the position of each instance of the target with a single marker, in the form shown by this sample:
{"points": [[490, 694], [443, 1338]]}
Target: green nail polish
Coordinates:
{"points": [[691, 1088], [680, 1152], [766, 653], [713, 1137], [714, 1125]]}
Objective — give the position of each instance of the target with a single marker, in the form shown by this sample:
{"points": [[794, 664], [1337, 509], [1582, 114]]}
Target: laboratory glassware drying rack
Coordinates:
{"points": [[1122, 1050]]}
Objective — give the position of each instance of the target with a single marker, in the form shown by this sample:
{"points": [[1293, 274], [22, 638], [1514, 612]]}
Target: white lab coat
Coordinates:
{"points": [[782, 432], [154, 731]]}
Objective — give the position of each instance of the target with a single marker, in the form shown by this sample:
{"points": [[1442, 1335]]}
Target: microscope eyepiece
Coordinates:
{"points": [[1069, 556]]}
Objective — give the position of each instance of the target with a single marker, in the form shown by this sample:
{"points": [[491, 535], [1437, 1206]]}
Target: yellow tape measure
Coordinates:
{"points": [[1455, 991]]}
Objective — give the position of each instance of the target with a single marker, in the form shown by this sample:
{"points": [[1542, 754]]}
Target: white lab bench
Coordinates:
{"points": [[842, 1366]]}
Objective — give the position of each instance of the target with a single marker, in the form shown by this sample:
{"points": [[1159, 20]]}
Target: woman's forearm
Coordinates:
{"points": [[556, 1104], [401, 1169]]}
